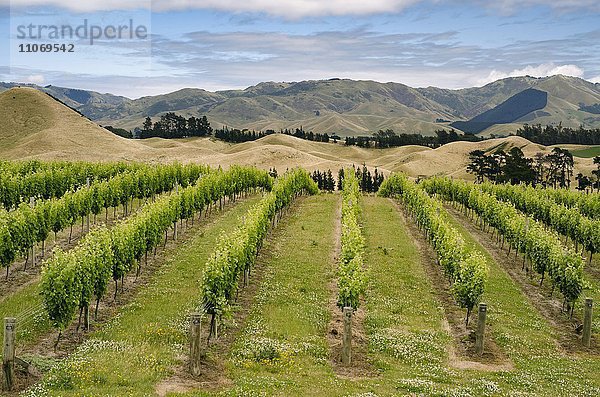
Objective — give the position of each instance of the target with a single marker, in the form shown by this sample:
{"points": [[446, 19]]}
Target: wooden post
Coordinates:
{"points": [[8, 356], [587, 322], [480, 335], [86, 317], [195, 343], [347, 338]]}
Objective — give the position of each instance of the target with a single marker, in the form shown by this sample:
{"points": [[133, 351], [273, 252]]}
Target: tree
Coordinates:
{"points": [[561, 167], [583, 182], [477, 165], [596, 172], [340, 184], [518, 168]]}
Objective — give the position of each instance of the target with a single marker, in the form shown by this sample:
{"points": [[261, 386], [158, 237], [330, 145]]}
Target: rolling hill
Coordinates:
{"points": [[34, 125], [349, 107]]}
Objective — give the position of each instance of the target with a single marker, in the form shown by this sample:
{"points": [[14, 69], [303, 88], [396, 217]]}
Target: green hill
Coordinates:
{"points": [[348, 107]]}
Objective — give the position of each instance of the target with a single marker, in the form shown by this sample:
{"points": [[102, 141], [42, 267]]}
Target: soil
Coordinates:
{"points": [[548, 305], [213, 374], [462, 352], [360, 366]]}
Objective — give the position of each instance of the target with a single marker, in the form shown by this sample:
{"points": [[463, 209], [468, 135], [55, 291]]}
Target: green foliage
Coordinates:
{"points": [[543, 247], [24, 226], [351, 275], [568, 221], [69, 280], [237, 251], [466, 269]]}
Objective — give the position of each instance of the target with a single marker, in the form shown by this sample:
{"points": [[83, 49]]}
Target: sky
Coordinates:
{"points": [[227, 44]]}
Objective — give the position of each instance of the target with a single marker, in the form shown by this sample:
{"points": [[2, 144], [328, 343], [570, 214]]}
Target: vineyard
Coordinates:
{"points": [[127, 279]]}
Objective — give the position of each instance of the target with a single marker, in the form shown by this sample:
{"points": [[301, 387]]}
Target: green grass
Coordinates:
{"points": [[404, 318], [587, 153], [282, 349], [529, 341], [139, 347]]}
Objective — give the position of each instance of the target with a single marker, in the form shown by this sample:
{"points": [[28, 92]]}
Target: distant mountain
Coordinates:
{"points": [[509, 111], [350, 107]]}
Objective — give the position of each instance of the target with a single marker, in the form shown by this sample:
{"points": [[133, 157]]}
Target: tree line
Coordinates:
{"points": [[557, 134], [367, 182], [172, 125], [388, 138], [554, 169]]}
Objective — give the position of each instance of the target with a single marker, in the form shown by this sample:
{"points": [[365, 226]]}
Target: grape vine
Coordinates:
{"points": [[542, 247], [466, 269], [351, 275], [25, 226], [70, 280]]}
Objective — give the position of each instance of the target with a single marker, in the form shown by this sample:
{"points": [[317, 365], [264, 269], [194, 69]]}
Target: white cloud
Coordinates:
{"points": [[35, 79], [543, 70], [288, 8], [595, 79]]}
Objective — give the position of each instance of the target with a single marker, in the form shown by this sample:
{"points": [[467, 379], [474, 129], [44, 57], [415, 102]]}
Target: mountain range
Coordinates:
{"points": [[350, 107]]}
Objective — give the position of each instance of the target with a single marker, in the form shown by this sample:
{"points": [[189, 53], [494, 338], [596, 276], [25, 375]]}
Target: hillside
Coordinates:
{"points": [[349, 107], [513, 109], [36, 125]]}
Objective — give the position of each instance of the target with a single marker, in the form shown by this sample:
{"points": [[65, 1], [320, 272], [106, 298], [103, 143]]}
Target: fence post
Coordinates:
{"points": [[587, 322], [195, 343], [480, 335], [8, 356], [347, 338]]}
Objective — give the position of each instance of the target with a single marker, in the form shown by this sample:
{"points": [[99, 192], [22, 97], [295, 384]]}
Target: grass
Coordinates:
{"points": [[282, 349], [404, 319], [529, 341], [587, 153], [138, 348], [25, 303]]}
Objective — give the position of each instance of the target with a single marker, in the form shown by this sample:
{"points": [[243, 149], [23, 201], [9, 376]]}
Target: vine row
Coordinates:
{"points": [[465, 268], [25, 226], [351, 275], [236, 252], [70, 280], [542, 247]]}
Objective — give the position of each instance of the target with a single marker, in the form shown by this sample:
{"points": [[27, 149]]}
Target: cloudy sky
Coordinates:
{"points": [[227, 44]]}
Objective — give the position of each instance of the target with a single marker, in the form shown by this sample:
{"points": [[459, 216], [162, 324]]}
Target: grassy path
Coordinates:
{"points": [[134, 351], [528, 339], [282, 349], [404, 319]]}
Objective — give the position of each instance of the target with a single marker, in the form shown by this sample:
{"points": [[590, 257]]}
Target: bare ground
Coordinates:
{"points": [[462, 352], [547, 304]]}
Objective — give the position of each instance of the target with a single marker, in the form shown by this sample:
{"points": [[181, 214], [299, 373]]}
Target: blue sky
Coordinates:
{"points": [[230, 44]]}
